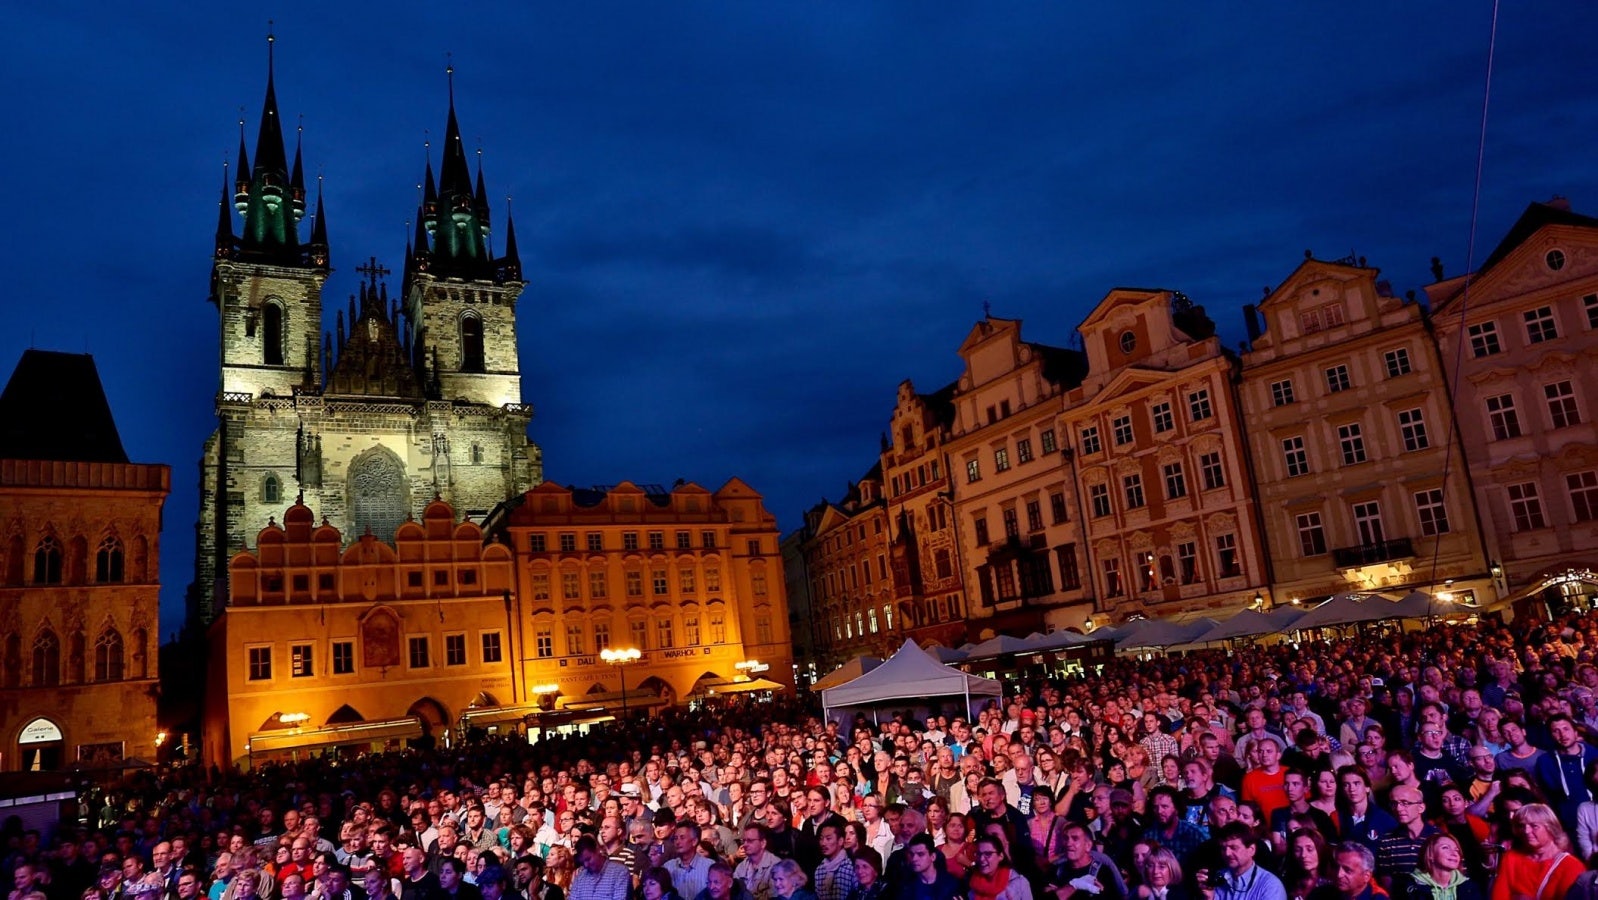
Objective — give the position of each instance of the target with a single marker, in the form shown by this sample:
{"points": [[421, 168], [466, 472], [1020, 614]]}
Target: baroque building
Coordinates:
{"points": [[924, 543], [846, 554], [79, 556], [405, 400], [328, 644], [691, 579]]}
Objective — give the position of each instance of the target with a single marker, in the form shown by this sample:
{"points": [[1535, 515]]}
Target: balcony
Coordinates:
{"points": [[1371, 554]]}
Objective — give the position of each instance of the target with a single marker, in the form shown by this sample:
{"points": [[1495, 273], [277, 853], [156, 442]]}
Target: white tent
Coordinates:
{"points": [[946, 654], [1421, 605], [1247, 623], [1055, 640], [909, 674], [1165, 633], [847, 672], [1346, 609]]}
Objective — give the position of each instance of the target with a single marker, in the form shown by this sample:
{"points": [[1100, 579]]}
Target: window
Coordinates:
{"points": [[1037, 580], [1397, 362], [1132, 487], [47, 561], [718, 628], [1310, 321], [420, 655], [640, 633], [596, 542], [973, 470], [1175, 481], [1012, 527], [1333, 315], [1001, 459], [536, 543], [1164, 420], [574, 640], [685, 540], [271, 489], [344, 657], [1429, 509], [629, 540], [441, 578], [1562, 411], [1214, 475], [657, 580], [1540, 325], [1070, 576], [1351, 440], [763, 628], [301, 657], [685, 582], [1368, 522], [1282, 392], [871, 616], [108, 654], [1226, 557], [1590, 304], [1311, 534], [260, 663], [1583, 488], [635, 584], [1187, 561], [598, 586], [1121, 429], [541, 586], [1148, 579], [665, 639], [1023, 450], [1112, 577], [601, 636], [1099, 498], [980, 524], [657, 540], [1090, 440], [1295, 456], [454, 649], [568, 542], [1484, 339], [272, 334], [707, 540], [544, 642], [1337, 379], [757, 582], [1412, 427], [477, 453], [571, 586], [1502, 417], [1057, 507], [493, 652], [1128, 342], [1198, 405], [46, 659], [713, 580], [1526, 506], [1004, 581], [1554, 260], [690, 631], [1034, 516], [471, 344], [108, 562], [1046, 438]]}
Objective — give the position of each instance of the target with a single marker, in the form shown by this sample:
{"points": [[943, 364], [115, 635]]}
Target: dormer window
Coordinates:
{"points": [[1128, 341]]}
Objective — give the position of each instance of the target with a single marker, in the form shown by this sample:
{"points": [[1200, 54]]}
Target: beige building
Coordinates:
{"points": [[1157, 447], [79, 556], [924, 544], [691, 579], [1524, 329], [1346, 404], [846, 552], [327, 646], [1016, 508]]}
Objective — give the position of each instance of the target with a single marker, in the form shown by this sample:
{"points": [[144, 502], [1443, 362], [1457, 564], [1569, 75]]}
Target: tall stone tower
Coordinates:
{"points": [[393, 407]]}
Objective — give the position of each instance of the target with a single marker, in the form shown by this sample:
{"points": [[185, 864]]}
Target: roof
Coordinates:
{"points": [[1062, 365], [1535, 217], [32, 424]]}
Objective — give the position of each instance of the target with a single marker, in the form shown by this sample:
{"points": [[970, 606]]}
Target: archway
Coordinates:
{"points": [[379, 492], [40, 744], [656, 686], [434, 719]]}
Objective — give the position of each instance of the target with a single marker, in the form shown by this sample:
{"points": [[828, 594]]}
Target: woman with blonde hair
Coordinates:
{"points": [[1441, 874], [1162, 876], [1538, 865]]}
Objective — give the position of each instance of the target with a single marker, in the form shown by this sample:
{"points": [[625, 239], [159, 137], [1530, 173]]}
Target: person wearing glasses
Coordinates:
{"points": [[993, 879], [1398, 851], [755, 869], [1538, 865]]}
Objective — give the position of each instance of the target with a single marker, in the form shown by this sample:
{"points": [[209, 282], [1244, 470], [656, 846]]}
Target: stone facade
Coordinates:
{"points": [[847, 554], [924, 548]]}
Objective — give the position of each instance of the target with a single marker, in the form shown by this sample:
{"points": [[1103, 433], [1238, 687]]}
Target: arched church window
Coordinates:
{"points": [[471, 344], [271, 489], [380, 494], [46, 659], [47, 561], [272, 334], [108, 656], [108, 562]]}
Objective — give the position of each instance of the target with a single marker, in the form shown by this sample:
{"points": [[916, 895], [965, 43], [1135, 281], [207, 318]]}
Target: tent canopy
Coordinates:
{"points": [[1247, 623], [1346, 609], [911, 673], [847, 672], [1003, 645], [1422, 605], [943, 654], [1164, 633]]}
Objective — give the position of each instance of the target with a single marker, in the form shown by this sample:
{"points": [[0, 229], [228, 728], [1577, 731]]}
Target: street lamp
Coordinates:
{"points": [[621, 657]]}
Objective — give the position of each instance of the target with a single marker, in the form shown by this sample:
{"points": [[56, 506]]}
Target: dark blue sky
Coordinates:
{"points": [[745, 222]]}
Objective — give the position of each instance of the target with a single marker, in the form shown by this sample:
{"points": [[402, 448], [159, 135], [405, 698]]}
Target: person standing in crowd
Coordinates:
{"points": [[923, 879], [598, 877], [993, 878], [1538, 865], [1243, 878]]}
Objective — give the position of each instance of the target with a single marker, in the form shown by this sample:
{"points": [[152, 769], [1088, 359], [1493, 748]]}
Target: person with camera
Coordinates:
{"points": [[1242, 879]]}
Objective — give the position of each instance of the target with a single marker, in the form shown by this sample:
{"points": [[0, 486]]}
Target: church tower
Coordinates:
{"points": [[398, 403]]}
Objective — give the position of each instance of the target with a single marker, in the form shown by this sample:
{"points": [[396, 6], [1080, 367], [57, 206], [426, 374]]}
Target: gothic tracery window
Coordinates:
{"points": [[108, 562], [471, 344], [47, 561], [46, 659], [108, 656], [380, 495]]}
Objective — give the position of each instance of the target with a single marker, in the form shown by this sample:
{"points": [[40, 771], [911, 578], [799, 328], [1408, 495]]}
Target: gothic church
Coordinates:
{"points": [[407, 400]]}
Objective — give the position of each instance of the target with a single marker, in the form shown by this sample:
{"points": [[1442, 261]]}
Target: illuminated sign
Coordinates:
{"points": [[39, 731]]}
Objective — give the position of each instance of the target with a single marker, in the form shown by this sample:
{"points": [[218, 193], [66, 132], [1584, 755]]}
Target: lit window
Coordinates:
{"points": [[1001, 459], [1227, 561], [1023, 450], [1047, 439], [973, 470]]}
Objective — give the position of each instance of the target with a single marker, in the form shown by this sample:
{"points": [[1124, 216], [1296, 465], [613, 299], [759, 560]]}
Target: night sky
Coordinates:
{"points": [[743, 223]]}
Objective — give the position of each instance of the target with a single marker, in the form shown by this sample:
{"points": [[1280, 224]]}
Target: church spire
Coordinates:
{"points": [[271, 193], [454, 214], [511, 265], [318, 247], [270, 158], [297, 178], [224, 221]]}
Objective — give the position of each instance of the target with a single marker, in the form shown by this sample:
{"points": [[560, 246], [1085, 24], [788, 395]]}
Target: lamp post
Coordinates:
{"points": [[621, 657]]}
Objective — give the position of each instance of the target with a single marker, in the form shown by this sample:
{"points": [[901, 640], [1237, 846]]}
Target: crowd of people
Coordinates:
{"points": [[1456, 762]]}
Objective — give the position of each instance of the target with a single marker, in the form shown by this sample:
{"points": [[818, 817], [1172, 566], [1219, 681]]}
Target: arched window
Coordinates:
{"points": [[471, 344], [108, 656], [108, 562], [379, 493], [14, 559], [47, 561], [75, 657], [271, 490], [12, 675], [272, 334], [46, 659]]}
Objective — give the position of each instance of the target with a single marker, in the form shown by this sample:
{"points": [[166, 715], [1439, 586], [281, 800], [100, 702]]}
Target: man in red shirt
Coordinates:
{"points": [[1262, 785]]}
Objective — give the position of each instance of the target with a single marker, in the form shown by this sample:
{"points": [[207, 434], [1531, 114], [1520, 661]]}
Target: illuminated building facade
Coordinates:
{"points": [[847, 558], [325, 644], [79, 556], [924, 543], [690, 578]]}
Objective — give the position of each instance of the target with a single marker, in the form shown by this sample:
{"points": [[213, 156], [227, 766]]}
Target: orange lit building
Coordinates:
{"points": [[1346, 402], [846, 553], [1527, 376], [369, 645], [79, 556], [690, 578], [1157, 448], [924, 545]]}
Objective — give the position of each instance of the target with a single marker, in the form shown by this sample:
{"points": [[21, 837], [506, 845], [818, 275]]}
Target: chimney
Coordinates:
{"points": [[1251, 321], [1437, 268], [1559, 202]]}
